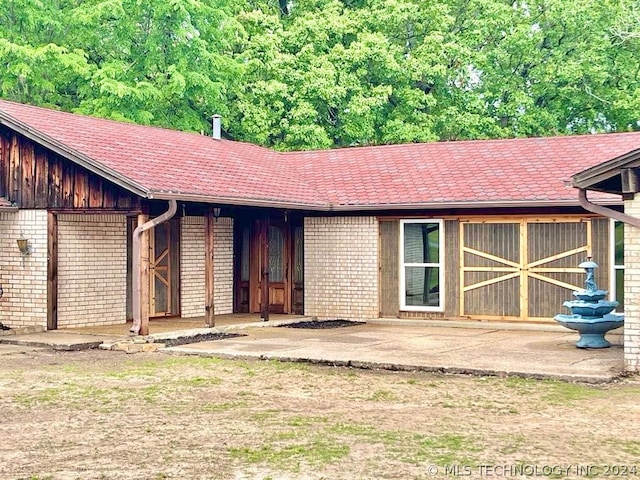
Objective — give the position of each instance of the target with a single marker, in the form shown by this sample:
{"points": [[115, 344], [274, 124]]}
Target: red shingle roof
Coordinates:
{"points": [[162, 163]]}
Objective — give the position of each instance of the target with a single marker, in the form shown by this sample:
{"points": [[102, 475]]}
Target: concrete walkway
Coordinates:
{"points": [[65, 340], [482, 348]]}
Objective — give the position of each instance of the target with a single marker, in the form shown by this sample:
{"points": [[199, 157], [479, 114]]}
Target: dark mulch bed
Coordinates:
{"points": [[202, 337], [323, 324]]}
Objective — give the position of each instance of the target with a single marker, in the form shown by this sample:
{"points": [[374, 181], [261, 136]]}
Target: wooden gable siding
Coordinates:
{"points": [[34, 177]]}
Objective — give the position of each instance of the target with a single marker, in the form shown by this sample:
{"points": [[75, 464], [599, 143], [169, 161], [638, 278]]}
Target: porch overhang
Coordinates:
{"points": [[620, 175]]}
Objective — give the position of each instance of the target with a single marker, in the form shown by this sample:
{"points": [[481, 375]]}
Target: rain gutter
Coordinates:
{"points": [[331, 207], [136, 267], [604, 211], [459, 205], [237, 201]]}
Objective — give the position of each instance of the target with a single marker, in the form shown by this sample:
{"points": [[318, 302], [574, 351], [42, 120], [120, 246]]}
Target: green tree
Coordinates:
{"points": [[330, 74], [41, 71], [540, 67], [159, 62], [327, 73]]}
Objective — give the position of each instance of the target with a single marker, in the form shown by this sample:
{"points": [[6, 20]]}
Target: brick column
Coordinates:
{"points": [[632, 288]]}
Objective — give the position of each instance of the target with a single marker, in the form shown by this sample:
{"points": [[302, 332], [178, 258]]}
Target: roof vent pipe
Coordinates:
{"points": [[215, 122]]}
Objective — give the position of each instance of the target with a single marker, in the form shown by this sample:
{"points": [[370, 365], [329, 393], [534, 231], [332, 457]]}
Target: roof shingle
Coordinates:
{"points": [[473, 173]]}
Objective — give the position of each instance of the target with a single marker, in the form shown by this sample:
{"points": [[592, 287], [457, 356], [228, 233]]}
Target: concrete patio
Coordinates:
{"points": [[480, 348]]}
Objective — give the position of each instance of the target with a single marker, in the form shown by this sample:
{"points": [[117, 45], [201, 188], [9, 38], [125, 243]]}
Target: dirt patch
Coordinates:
{"points": [[107, 415], [321, 324], [202, 337]]}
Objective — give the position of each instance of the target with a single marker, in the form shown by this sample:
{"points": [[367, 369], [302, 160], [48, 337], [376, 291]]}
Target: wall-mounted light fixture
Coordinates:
{"points": [[1, 291], [216, 212], [24, 246]]}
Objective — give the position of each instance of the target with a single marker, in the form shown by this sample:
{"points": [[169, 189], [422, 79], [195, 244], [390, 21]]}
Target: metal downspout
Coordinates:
{"points": [[135, 274], [604, 211]]}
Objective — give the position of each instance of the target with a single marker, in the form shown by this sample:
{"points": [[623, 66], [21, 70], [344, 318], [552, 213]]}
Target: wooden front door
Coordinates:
{"points": [[163, 270], [521, 269], [285, 273]]}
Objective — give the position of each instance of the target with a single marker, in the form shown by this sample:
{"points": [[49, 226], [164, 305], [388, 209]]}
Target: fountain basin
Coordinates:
{"points": [[587, 296], [590, 309], [591, 330]]}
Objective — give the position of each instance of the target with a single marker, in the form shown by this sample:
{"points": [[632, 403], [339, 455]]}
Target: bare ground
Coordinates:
{"points": [[108, 415]]}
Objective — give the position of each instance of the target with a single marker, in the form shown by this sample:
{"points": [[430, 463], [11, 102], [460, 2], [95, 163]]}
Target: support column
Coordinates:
{"points": [[209, 269], [632, 288], [264, 256], [144, 276], [52, 271]]}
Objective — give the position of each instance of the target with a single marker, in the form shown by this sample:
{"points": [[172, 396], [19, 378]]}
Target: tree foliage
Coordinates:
{"points": [[327, 73]]}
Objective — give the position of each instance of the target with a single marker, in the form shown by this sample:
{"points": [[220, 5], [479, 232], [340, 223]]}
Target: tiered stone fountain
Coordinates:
{"points": [[590, 314]]}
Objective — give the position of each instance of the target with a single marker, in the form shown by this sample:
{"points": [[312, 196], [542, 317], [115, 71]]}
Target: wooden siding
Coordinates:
{"points": [[390, 274], [451, 267], [389, 232], [34, 177]]}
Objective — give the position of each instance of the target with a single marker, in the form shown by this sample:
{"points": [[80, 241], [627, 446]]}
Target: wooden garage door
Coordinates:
{"points": [[522, 269]]}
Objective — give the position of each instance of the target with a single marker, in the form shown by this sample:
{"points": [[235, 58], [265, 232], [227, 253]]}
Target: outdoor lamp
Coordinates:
{"points": [[24, 246]]}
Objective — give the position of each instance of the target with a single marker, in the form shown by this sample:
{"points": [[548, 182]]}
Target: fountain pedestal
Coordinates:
{"points": [[590, 315]]}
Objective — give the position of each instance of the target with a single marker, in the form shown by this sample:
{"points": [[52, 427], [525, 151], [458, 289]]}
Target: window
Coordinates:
{"points": [[616, 290], [422, 265]]}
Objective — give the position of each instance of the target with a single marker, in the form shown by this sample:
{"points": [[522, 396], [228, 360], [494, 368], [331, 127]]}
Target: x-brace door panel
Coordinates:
{"points": [[520, 269]]}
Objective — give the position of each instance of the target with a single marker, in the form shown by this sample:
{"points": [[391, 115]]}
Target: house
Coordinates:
{"points": [[127, 221]]}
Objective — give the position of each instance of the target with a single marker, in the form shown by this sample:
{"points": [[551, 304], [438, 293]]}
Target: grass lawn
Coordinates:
{"points": [[108, 415]]}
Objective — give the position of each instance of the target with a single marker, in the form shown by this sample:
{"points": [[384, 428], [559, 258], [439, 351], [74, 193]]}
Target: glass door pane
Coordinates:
{"points": [[276, 254]]}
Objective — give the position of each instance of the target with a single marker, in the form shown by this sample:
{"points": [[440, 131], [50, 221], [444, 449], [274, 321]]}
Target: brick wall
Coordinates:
{"points": [[24, 302], [192, 266], [341, 267], [92, 270], [632, 288]]}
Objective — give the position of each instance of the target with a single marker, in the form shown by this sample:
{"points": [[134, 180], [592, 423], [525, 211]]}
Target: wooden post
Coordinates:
{"points": [[144, 277], [52, 271], [209, 269], [524, 269], [264, 256]]}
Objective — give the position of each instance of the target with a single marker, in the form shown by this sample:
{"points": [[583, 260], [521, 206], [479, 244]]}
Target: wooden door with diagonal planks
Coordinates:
{"points": [[521, 269], [163, 269]]}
